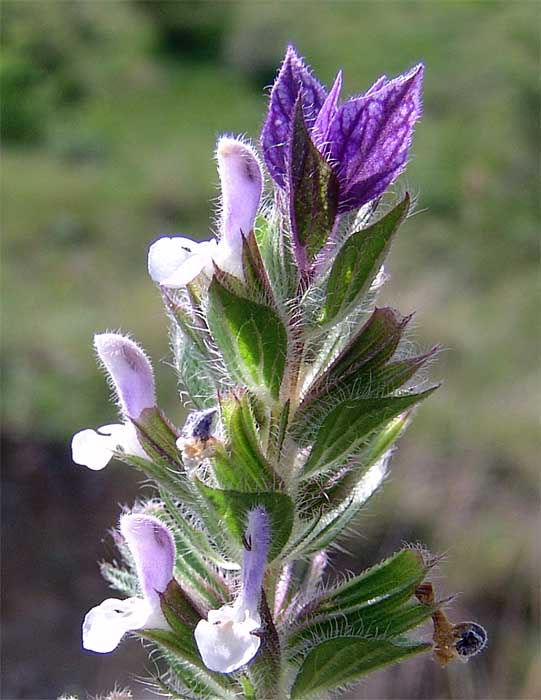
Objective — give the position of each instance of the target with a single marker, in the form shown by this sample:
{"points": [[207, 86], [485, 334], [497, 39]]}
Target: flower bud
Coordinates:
{"points": [[242, 183], [130, 372]]}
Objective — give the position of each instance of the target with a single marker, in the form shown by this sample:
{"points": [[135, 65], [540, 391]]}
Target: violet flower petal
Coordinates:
{"points": [[370, 137], [275, 135], [257, 537], [320, 131], [130, 371]]}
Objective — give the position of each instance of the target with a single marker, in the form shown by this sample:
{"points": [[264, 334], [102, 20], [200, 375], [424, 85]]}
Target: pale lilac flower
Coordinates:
{"points": [[366, 140], [131, 374], [227, 640], [175, 262], [153, 549]]}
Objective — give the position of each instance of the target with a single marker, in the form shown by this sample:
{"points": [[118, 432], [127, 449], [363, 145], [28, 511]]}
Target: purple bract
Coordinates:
{"points": [[366, 140]]}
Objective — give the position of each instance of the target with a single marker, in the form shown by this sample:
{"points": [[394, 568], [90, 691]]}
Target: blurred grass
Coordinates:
{"points": [[110, 113]]}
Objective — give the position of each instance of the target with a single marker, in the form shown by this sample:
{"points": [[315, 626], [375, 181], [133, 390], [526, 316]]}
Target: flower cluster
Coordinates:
{"points": [[297, 387]]}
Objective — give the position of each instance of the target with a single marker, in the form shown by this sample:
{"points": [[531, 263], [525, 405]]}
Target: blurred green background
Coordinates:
{"points": [[110, 113]]}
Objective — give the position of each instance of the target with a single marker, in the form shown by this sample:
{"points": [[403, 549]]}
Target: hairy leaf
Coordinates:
{"points": [[404, 569], [233, 507], [325, 529], [251, 337], [336, 489], [347, 426], [244, 466], [342, 660], [276, 250], [368, 349], [359, 261]]}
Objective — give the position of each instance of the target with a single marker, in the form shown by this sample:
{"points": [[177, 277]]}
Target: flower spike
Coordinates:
{"points": [[153, 549]]}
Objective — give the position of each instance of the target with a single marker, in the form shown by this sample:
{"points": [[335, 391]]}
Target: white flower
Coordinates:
{"points": [[174, 262], [94, 448], [225, 641], [106, 624], [153, 549]]}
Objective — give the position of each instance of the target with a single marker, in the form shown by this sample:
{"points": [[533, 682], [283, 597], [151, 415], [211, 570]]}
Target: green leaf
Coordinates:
{"points": [[343, 660], [193, 556], [372, 346], [276, 251], [368, 349], [347, 426], [184, 321], [374, 619], [251, 337], [376, 603], [197, 540], [323, 496], [314, 193], [323, 530], [358, 262], [404, 569], [244, 467], [233, 507]]}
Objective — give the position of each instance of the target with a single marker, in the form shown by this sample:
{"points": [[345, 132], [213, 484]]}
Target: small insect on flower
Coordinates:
{"points": [[451, 641], [471, 639], [197, 441]]}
